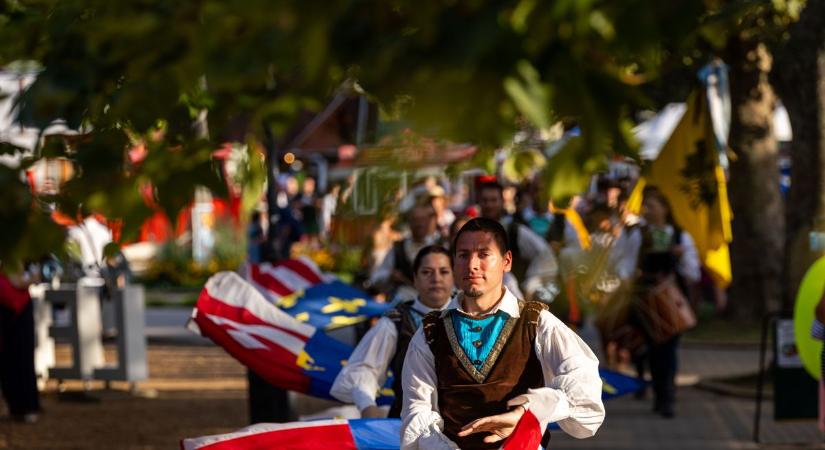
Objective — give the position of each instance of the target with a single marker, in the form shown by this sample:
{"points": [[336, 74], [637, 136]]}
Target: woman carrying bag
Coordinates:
{"points": [[668, 266]]}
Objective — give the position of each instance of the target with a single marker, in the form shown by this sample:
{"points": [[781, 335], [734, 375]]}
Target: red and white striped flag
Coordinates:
{"points": [[267, 340], [284, 277], [317, 435], [359, 434]]}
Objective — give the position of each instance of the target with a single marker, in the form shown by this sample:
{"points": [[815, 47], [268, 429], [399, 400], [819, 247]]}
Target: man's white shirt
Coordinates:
{"points": [[571, 395]]}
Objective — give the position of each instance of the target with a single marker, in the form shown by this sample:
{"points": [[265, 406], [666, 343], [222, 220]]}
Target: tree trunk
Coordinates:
{"points": [[756, 250], [799, 77]]}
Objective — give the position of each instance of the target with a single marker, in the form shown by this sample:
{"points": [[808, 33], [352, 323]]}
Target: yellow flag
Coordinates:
{"points": [[634, 201], [687, 171], [576, 222]]}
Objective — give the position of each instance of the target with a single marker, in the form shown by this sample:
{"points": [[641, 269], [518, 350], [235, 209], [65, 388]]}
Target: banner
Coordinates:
{"points": [[358, 434], [282, 350], [299, 288], [688, 172]]}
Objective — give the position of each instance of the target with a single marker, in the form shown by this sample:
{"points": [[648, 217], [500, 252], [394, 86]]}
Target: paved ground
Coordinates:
{"points": [[704, 421], [196, 389]]}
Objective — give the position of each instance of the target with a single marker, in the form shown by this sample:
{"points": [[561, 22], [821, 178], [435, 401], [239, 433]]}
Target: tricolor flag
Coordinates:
{"points": [[299, 288], [357, 434], [280, 349]]}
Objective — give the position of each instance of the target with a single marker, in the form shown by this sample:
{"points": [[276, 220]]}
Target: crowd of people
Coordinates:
{"points": [[464, 279], [487, 298]]}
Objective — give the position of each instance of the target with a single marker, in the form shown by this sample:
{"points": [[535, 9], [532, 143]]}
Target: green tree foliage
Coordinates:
{"points": [[136, 71]]}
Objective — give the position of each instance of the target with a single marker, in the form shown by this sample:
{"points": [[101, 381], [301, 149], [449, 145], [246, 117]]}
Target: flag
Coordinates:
{"points": [[688, 173], [354, 434], [283, 351], [616, 384], [299, 288], [572, 216], [284, 277]]}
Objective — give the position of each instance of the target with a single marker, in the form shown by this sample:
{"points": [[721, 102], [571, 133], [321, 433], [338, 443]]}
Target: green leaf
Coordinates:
{"points": [[530, 95]]}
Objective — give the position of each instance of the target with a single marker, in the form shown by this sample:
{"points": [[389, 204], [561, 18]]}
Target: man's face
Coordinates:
{"points": [[479, 264], [422, 222], [491, 203]]}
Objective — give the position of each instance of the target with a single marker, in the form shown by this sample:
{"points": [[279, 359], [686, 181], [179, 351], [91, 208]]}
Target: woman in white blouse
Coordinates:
{"points": [[385, 345]]}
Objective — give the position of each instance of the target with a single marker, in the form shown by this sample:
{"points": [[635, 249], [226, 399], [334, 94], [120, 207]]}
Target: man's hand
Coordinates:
{"points": [[499, 426], [372, 412]]}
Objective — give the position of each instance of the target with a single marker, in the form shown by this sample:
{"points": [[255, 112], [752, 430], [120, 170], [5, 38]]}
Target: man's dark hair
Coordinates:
{"points": [[491, 185], [429, 250], [488, 226]]}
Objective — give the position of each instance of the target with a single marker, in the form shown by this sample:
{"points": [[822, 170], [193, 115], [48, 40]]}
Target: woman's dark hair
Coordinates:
{"points": [[429, 250], [652, 192], [488, 226]]}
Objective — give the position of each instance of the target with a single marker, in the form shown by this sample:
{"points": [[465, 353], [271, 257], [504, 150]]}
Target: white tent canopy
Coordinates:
{"points": [[12, 83], [654, 132]]}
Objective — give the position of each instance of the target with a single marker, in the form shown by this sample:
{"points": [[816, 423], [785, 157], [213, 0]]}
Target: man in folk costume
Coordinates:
{"points": [[473, 370], [385, 345]]}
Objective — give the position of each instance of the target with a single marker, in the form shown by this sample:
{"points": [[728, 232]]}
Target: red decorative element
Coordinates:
{"points": [[527, 434], [12, 297]]}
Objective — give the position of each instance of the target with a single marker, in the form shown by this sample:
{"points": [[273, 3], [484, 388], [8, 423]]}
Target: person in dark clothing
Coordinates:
{"points": [[534, 266], [18, 380], [385, 345], [666, 251]]}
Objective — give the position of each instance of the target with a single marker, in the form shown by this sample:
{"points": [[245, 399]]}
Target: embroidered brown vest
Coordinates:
{"points": [[401, 316], [466, 393]]}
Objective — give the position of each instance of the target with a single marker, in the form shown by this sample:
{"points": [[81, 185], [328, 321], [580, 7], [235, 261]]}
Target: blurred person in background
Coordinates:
{"points": [[385, 345], [329, 204], [394, 274], [665, 251], [534, 264], [444, 216], [307, 206], [255, 236], [18, 380]]}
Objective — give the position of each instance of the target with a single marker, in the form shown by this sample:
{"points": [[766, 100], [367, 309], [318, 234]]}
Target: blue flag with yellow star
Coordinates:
{"points": [[331, 305]]}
